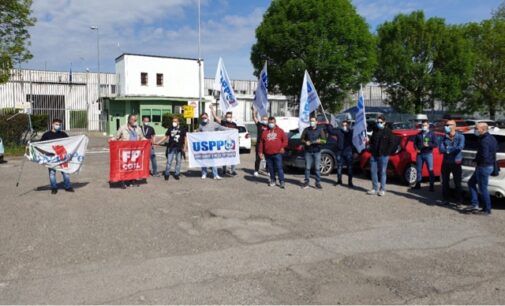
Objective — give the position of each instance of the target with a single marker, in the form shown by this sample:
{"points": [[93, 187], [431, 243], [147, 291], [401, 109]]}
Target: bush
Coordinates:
{"points": [[166, 121], [14, 131], [78, 119], [40, 122]]}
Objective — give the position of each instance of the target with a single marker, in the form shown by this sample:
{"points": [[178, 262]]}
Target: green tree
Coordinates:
{"points": [[499, 13], [325, 37], [14, 36], [421, 61], [487, 90]]}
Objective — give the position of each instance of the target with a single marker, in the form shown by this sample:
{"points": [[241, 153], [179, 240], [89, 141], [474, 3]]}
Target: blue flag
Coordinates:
{"points": [[261, 98], [359, 129]]}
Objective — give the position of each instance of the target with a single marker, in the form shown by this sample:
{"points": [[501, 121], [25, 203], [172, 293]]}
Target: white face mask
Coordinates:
{"points": [[146, 123], [228, 119], [175, 124]]}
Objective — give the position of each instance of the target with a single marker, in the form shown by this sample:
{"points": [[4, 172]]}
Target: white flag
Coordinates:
{"points": [[359, 129], [261, 98], [309, 102], [222, 83], [62, 154]]}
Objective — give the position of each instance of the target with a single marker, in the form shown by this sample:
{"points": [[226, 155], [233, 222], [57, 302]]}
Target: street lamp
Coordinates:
{"points": [[95, 28]]}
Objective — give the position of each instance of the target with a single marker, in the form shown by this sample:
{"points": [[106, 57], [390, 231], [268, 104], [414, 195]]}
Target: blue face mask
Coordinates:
{"points": [[271, 125], [57, 128], [204, 121], [476, 132], [380, 125], [313, 124], [447, 129], [425, 129], [264, 122]]}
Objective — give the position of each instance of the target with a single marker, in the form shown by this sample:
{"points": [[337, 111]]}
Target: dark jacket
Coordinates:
{"points": [[486, 153], [50, 135], [382, 142], [421, 138], [176, 138], [452, 148], [148, 131], [312, 135], [344, 141]]}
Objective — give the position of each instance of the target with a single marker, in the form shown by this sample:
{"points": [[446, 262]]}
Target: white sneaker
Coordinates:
{"points": [[271, 184], [381, 193], [372, 192], [217, 177], [256, 173], [204, 176]]}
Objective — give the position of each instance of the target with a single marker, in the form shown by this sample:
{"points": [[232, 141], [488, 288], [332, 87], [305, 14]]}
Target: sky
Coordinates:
{"points": [[62, 37]]}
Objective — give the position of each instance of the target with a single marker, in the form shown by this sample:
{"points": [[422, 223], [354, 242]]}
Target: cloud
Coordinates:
{"points": [[378, 11]]}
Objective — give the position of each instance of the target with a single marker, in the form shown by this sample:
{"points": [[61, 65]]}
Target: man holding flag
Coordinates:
{"points": [[260, 104]]}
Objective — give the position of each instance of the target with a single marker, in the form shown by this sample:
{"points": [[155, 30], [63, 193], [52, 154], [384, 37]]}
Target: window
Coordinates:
{"points": [[143, 78], [159, 79], [156, 115], [113, 89]]}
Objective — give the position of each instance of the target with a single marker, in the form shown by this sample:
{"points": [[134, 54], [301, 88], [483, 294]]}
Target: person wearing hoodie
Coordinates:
{"points": [[485, 165], [272, 144], [451, 147], [424, 143]]}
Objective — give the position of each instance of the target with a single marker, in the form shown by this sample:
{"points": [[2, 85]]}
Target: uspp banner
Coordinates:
{"points": [[129, 160], [209, 149], [62, 154]]}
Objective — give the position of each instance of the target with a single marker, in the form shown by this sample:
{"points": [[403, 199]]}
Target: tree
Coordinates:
{"points": [[487, 90], [325, 37], [14, 36], [421, 61], [499, 13]]}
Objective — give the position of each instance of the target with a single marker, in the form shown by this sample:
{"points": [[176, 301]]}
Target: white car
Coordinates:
{"points": [[496, 185], [1, 150], [287, 124], [244, 138]]}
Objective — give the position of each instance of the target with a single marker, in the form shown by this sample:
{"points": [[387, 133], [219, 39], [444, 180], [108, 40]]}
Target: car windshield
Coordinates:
{"points": [[472, 142], [242, 129]]}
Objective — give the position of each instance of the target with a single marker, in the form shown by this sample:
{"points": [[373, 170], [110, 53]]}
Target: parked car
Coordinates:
{"points": [[287, 124], [472, 122], [244, 138], [294, 156], [2, 151], [402, 162], [461, 125], [400, 125], [496, 185]]}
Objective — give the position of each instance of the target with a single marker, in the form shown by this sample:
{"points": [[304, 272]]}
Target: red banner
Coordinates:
{"points": [[129, 160]]}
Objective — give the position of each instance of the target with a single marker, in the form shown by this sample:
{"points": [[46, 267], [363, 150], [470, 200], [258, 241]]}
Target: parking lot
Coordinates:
{"points": [[237, 241]]}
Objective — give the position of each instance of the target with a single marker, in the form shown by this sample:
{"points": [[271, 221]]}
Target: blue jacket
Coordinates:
{"points": [[452, 148], [486, 153], [344, 145], [420, 139]]}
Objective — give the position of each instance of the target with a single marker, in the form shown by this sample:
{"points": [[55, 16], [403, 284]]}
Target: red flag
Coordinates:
{"points": [[129, 160]]}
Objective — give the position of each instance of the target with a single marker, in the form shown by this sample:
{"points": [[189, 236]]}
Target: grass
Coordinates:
{"points": [[14, 150]]}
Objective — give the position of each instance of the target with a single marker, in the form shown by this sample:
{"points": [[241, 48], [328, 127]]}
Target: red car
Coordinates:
{"points": [[402, 163]]}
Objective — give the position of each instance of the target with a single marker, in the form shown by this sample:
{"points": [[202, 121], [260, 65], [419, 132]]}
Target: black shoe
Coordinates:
{"points": [[176, 177], [318, 186], [123, 185], [166, 177], [416, 186], [351, 185], [432, 188], [54, 191], [70, 189]]}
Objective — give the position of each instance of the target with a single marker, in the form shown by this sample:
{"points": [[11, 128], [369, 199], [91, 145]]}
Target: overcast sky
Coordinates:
{"points": [[62, 36]]}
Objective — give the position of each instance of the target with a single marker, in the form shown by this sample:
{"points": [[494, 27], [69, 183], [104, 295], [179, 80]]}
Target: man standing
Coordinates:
{"points": [[424, 143], [485, 160], [149, 134], [381, 144], [451, 147], [261, 126], [228, 123], [176, 145], [57, 133], [272, 144], [311, 139], [129, 132], [344, 152], [206, 126]]}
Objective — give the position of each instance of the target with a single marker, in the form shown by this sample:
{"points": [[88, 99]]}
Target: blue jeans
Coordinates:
{"points": [[54, 184], [214, 171], [171, 153], [313, 159], [481, 178], [344, 159], [154, 164], [233, 169], [381, 164], [420, 160], [274, 163]]}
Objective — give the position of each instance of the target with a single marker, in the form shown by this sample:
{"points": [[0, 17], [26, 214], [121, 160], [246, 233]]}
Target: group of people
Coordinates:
{"points": [[272, 141]]}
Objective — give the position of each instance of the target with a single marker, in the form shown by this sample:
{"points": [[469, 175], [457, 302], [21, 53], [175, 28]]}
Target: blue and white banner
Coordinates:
{"points": [[227, 99], [213, 149], [359, 129], [63, 154], [309, 102], [261, 98]]}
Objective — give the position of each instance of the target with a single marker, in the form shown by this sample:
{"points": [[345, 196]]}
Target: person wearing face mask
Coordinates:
{"points": [[381, 145], [57, 133], [129, 132], [311, 138], [344, 152], [261, 126], [176, 145], [485, 160], [424, 143], [150, 134], [451, 147], [272, 144], [208, 126], [228, 123]]}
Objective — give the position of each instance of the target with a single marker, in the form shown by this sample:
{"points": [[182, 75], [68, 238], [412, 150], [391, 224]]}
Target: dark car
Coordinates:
{"points": [[294, 156]]}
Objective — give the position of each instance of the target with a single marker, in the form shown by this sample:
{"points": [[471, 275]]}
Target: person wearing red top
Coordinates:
{"points": [[272, 144]]}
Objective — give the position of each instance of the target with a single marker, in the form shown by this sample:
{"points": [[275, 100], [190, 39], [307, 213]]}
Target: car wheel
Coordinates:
{"points": [[327, 164], [410, 175]]}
